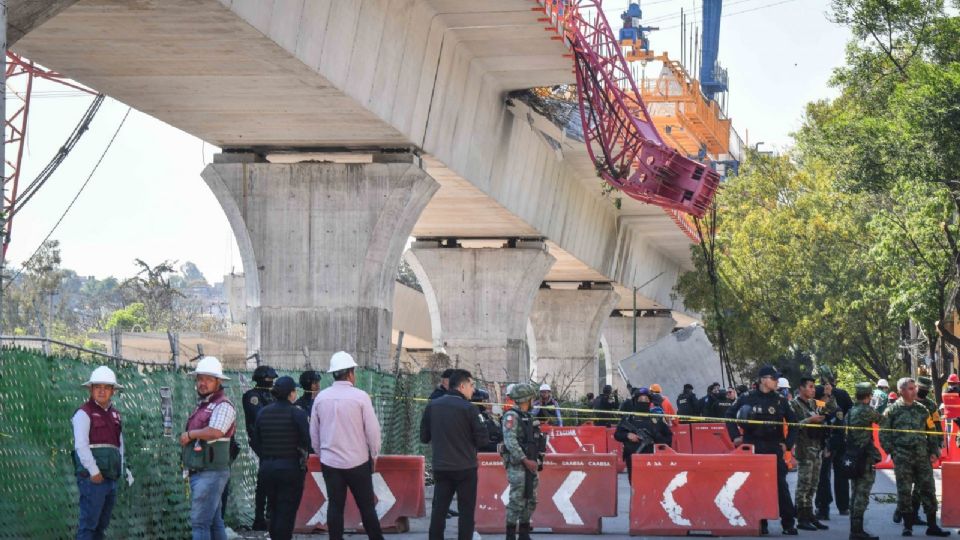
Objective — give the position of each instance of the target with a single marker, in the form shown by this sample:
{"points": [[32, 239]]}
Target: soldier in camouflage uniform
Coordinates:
{"points": [[521, 452], [808, 451], [923, 390], [860, 448], [914, 453]]}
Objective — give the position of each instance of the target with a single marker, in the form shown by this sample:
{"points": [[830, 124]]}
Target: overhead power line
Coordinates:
{"points": [[75, 197]]}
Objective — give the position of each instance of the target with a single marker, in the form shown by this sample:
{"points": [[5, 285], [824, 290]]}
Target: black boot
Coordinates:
{"points": [[823, 514], [897, 516], [524, 531], [857, 532], [511, 532], [933, 529], [764, 528], [816, 522], [804, 522], [907, 526]]}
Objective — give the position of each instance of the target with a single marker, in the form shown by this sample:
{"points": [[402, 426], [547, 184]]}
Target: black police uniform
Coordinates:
{"points": [[494, 432], [655, 429], [766, 438], [688, 405], [606, 401], [837, 444], [254, 400], [281, 438]]}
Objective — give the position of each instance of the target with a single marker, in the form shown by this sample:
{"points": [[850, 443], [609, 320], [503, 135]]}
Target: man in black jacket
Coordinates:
{"points": [[281, 437], [687, 403], [444, 386], [641, 431], [454, 429], [481, 398], [605, 402]]}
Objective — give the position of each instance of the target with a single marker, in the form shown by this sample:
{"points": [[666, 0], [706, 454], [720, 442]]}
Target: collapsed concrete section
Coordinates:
{"points": [[566, 327], [618, 340], [684, 356], [480, 300], [321, 243]]}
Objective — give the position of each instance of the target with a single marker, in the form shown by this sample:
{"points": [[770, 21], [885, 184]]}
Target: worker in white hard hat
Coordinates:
{"points": [[205, 449], [345, 435], [546, 409], [880, 397], [783, 386], [97, 453]]}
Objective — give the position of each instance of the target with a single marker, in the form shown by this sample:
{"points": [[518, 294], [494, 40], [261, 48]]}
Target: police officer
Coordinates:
{"points": [[860, 457], [495, 434], [310, 382], [605, 403], [903, 436], [522, 452], [809, 452], [97, 453], [687, 403], [838, 405], [770, 409], [639, 430], [254, 400], [281, 437], [708, 403]]}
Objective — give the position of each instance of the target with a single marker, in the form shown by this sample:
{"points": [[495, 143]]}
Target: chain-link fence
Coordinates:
{"points": [[38, 490]]}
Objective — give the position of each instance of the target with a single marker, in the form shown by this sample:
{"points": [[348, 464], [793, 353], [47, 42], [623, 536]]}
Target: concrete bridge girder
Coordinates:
{"points": [[320, 243]]}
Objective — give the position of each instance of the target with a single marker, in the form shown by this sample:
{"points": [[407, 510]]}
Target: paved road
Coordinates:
{"points": [[616, 528]]}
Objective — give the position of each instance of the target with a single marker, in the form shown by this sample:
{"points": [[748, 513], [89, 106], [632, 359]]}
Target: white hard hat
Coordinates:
{"points": [[782, 382], [340, 361], [209, 365], [883, 383], [545, 388], [103, 375]]}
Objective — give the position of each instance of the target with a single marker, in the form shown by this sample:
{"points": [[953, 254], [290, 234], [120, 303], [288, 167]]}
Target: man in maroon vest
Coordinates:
{"points": [[97, 454], [205, 450]]}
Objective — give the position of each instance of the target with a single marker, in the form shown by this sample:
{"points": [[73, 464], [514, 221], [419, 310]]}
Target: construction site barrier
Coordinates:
{"points": [[615, 447], [575, 492], [886, 462], [693, 494], [710, 439], [681, 439], [573, 440], [950, 507], [398, 485], [951, 428]]}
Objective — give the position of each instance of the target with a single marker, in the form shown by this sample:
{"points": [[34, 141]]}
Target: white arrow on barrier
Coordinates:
{"points": [[562, 497], [724, 500], [505, 496], [321, 515], [674, 510], [385, 497]]}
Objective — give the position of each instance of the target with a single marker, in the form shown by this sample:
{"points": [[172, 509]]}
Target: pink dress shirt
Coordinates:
{"points": [[344, 430]]}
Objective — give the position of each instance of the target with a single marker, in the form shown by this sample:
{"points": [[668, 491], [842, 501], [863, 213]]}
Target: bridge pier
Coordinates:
{"points": [[566, 326], [321, 244], [479, 301], [618, 339]]}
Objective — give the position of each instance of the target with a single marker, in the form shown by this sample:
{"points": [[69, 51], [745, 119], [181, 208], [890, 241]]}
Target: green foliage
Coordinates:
{"points": [[126, 319]]}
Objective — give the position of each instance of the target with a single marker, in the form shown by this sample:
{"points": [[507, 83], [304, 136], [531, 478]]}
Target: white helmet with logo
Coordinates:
{"points": [[103, 375], [209, 365], [340, 361]]}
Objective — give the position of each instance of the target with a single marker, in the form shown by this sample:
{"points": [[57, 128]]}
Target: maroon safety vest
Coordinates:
{"points": [[105, 425], [201, 416]]}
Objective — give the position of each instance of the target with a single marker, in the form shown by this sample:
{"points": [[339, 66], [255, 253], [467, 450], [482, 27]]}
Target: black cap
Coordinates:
{"points": [[307, 378], [768, 371], [283, 386], [687, 386]]}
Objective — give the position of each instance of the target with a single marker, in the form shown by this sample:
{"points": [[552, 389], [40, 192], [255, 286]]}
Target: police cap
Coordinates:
{"points": [[283, 386], [307, 378], [768, 371]]}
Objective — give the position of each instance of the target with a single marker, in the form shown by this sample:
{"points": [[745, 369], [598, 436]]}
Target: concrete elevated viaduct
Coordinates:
{"points": [[348, 126]]}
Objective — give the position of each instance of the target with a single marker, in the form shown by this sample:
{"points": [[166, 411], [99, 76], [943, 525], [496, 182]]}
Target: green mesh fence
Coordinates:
{"points": [[38, 491]]}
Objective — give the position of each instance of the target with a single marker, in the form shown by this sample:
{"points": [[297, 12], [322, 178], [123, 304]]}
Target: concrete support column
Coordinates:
{"points": [[566, 325], [479, 301], [618, 337], [321, 244]]}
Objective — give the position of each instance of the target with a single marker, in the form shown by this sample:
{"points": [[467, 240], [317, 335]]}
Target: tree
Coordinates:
{"points": [[129, 318], [151, 286]]}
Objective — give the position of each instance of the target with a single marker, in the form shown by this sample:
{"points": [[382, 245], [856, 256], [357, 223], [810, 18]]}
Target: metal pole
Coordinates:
{"points": [[634, 320], [3, 155]]}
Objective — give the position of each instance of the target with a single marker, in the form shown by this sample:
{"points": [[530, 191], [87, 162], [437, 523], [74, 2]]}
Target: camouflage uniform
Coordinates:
{"points": [[911, 454], [926, 383], [862, 416], [520, 442], [809, 453]]}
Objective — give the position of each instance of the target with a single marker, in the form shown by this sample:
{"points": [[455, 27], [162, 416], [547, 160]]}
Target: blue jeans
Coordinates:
{"points": [[206, 488], [96, 505]]}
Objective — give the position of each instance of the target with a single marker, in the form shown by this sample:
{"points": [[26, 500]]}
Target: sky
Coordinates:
{"points": [[147, 200]]}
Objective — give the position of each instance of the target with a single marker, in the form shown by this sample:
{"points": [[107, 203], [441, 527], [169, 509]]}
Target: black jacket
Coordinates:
{"points": [[770, 409], [453, 426], [605, 402], [688, 404], [254, 400], [439, 391], [494, 432], [656, 427], [281, 432]]}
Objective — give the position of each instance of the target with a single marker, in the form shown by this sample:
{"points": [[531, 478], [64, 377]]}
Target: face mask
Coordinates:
{"points": [[643, 406], [922, 393]]}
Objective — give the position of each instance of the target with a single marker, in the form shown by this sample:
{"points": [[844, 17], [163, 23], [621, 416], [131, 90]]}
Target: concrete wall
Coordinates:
{"points": [[618, 340], [684, 356]]}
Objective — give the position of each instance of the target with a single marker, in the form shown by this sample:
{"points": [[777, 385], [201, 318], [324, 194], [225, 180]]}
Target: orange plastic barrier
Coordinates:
{"points": [[681, 438], [720, 495], [951, 417], [950, 507], [575, 492], [615, 447], [886, 462], [573, 440], [398, 483], [710, 439]]}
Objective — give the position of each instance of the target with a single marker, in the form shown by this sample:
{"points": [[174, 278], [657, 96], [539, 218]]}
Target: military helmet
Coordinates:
{"points": [[522, 392], [307, 378], [262, 373], [924, 382], [863, 390], [480, 396]]}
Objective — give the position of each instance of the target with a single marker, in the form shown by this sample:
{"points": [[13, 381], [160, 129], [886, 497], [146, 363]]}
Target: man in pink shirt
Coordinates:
{"points": [[345, 435]]}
